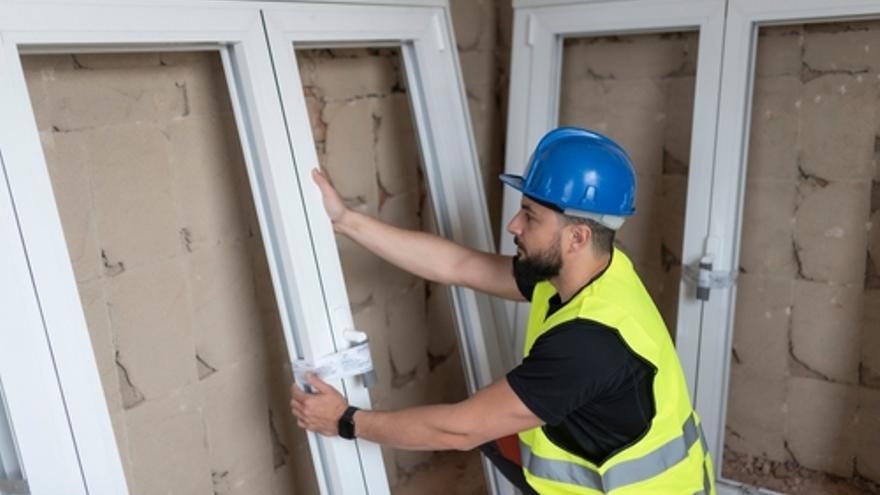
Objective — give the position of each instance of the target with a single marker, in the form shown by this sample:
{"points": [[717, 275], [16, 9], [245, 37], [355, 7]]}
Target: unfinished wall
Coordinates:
{"points": [[804, 404], [158, 217], [365, 138], [639, 90]]}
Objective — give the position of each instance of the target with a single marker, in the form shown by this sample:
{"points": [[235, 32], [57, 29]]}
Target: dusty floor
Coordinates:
{"points": [[448, 473], [788, 477]]}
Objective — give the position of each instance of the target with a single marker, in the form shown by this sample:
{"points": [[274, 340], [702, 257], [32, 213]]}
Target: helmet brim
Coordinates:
{"points": [[514, 181]]}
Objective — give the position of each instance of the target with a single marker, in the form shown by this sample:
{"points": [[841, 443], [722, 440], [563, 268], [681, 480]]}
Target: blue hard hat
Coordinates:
{"points": [[582, 173]]}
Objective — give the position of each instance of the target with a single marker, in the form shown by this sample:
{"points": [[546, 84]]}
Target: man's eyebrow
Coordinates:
{"points": [[527, 207]]}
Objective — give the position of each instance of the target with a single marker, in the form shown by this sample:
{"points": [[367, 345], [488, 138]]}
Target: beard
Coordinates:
{"points": [[541, 266]]}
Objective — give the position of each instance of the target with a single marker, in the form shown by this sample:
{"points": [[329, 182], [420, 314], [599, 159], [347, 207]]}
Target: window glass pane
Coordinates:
{"points": [[153, 195], [639, 90], [804, 396], [366, 143]]}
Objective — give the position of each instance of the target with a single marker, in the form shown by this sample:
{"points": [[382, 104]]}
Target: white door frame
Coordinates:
{"points": [[744, 18], [437, 98], [540, 27]]}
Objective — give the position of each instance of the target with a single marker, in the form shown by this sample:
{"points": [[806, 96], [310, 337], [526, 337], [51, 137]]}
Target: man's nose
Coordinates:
{"points": [[513, 225]]}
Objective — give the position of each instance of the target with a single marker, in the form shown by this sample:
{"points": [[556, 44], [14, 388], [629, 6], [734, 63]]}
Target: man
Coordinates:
{"points": [[599, 402]]}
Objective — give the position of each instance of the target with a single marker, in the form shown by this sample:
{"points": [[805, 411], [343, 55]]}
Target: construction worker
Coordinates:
{"points": [[599, 403]]}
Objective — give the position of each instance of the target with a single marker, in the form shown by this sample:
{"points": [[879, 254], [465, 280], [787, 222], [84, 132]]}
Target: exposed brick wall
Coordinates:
{"points": [[804, 387], [150, 184], [639, 90]]}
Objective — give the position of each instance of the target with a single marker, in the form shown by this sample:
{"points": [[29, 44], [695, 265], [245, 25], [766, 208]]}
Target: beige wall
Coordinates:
{"points": [[805, 373], [148, 176], [639, 90]]}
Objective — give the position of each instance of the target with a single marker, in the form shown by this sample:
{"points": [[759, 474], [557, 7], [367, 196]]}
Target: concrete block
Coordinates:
{"points": [[446, 381], [68, 160], [442, 336], [679, 113], [115, 60], [396, 146], [869, 342], [390, 466], [478, 72], [773, 135], [236, 426], [201, 82], [838, 123], [471, 21], [83, 99], [315, 107], [96, 312], [627, 57], [226, 315], [874, 240], [408, 460], [672, 214], [302, 472], [340, 78], [152, 323], [768, 228], [666, 298], [351, 149], [207, 170], [407, 328], [779, 51], [832, 219], [632, 112], [756, 414], [639, 237], [826, 323], [763, 318], [868, 428], [820, 428], [132, 195], [36, 73], [852, 51], [361, 269], [168, 446]]}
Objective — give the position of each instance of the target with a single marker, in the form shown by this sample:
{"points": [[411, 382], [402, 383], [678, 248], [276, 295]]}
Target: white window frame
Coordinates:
{"points": [[437, 98], [53, 353], [744, 18], [540, 27]]}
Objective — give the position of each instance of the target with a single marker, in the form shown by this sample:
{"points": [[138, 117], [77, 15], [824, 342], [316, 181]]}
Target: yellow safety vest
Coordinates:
{"points": [[671, 458]]}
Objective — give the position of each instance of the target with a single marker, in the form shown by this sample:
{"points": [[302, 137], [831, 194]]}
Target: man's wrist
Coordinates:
{"points": [[346, 425]]}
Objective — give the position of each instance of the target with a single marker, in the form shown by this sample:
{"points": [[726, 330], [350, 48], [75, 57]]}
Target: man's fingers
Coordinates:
{"points": [[319, 384]]}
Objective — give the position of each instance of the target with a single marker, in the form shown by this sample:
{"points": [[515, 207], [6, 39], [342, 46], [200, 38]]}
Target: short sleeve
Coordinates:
{"points": [[569, 366]]}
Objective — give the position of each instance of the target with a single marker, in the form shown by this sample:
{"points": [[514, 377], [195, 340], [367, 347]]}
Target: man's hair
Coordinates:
{"points": [[603, 237]]}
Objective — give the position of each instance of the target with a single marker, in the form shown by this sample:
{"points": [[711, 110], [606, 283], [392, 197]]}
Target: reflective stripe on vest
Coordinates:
{"points": [[625, 473]]}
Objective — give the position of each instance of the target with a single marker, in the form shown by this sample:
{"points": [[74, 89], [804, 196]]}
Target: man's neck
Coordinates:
{"points": [[575, 275]]}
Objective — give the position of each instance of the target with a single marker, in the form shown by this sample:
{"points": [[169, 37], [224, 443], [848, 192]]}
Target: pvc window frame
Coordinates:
{"points": [[744, 19], [63, 434], [540, 27], [440, 113]]}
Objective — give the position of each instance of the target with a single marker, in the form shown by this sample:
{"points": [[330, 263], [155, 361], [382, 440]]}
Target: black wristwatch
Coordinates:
{"points": [[345, 426]]}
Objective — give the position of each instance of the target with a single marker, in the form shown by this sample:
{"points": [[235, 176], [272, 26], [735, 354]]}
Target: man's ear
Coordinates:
{"points": [[581, 237]]}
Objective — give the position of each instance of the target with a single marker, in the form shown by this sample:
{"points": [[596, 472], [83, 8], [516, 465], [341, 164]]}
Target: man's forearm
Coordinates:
{"points": [[426, 255], [418, 428]]}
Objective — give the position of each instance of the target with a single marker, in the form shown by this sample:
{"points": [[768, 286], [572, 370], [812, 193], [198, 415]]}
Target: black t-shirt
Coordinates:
{"points": [[593, 392]]}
